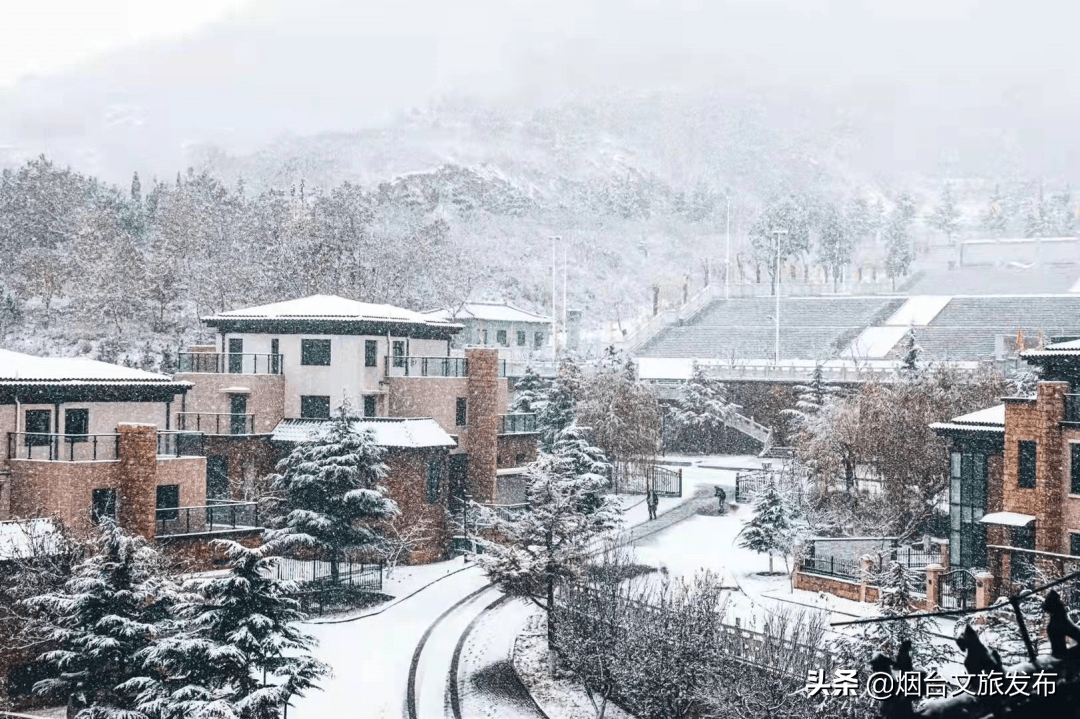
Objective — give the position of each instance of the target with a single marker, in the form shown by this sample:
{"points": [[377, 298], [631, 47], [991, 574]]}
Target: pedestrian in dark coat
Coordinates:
{"points": [[652, 500]]}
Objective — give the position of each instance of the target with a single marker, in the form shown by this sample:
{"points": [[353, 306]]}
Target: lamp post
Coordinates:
{"points": [[778, 232], [727, 243]]}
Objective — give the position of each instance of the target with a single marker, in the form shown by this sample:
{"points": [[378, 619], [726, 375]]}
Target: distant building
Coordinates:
{"points": [[519, 335]]}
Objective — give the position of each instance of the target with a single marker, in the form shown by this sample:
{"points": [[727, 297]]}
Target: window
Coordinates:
{"points": [[967, 505], [1026, 476], [484, 335], [77, 422], [371, 353], [500, 337], [275, 357], [104, 505], [434, 469], [168, 502], [479, 336], [315, 352], [1074, 467], [399, 353], [521, 338], [369, 405], [520, 460], [314, 407], [38, 425], [1021, 565], [461, 416], [1074, 544], [538, 340]]}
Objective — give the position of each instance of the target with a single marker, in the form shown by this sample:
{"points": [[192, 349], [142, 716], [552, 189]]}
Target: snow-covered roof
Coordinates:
{"points": [[489, 311], [1057, 349], [991, 419], [19, 539], [327, 307], [1009, 519], [19, 368], [413, 432]]}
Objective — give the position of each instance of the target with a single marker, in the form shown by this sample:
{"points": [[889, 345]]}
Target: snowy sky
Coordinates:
{"points": [[44, 36]]}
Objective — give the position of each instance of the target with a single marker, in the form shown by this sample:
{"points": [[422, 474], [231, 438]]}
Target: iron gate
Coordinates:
{"points": [[635, 479], [956, 590]]}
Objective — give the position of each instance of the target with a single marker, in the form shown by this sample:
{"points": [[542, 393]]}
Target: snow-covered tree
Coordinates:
{"points": [[995, 220], [946, 216], [811, 398], [530, 393], [560, 406], [910, 359], [899, 253], [624, 418], [239, 652], [837, 237], [1062, 213], [1038, 221], [550, 542], [774, 528], [330, 491], [792, 219], [701, 410], [114, 606]]}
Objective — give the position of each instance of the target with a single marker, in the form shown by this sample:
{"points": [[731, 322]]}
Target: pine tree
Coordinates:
{"points": [[946, 216], [530, 392], [837, 237], [551, 541], [111, 610], [240, 652], [1062, 215], [899, 253], [996, 220], [701, 409], [575, 456], [773, 529], [1038, 222], [810, 399], [912, 350], [331, 490], [560, 406]]}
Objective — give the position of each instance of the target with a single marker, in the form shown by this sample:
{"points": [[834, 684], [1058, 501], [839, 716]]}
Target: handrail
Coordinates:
{"points": [[212, 422], [54, 447], [230, 363], [202, 519], [517, 423], [177, 443], [421, 366]]}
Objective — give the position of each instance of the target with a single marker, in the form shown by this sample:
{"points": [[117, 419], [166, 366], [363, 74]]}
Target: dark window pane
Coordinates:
{"points": [[369, 405], [371, 348], [1026, 475], [104, 504], [168, 499], [1074, 544], [77, 422], [399, 353], [500, 337], [314, 407], [38, 425], [538, 340], [954, 464], [462, 413], [521, 338], [315, 352], [434, 470], [1074, 457]]}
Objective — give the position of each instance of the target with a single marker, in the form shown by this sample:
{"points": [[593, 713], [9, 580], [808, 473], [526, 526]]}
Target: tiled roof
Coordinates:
{"points": [[412, 432], [991, 419], [490, 311], [17, 368], [328, 307]]}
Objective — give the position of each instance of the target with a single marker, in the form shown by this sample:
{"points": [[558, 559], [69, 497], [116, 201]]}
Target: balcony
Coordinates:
{"points": [[215, 423], [520, 423], [180, 444], [63, 447], [230, 363], [401, 366], [514, 368], [1072, 408], [214, 517]]}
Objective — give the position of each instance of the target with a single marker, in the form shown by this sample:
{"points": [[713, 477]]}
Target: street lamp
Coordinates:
{"points": [[778, 232], [727, 243]]}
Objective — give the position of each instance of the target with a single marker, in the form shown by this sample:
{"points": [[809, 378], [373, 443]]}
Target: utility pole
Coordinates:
{"points": [[778, 232], [554, 334], [727, 244], [565, 328]]}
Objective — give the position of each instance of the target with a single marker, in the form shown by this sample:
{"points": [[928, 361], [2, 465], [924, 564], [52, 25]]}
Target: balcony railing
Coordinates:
{"points": [[514, 368], [230, 363], [217, 516], [401, 366], [180, 444], [63, 447], [215, 422], [1072, 408], [520, 423]]}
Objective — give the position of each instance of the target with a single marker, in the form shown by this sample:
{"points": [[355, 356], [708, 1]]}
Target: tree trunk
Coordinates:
{"points": [[551, 624]]}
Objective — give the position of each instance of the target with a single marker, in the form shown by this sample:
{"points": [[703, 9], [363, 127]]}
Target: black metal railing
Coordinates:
{"points": [[402, 366], [518, 423], [230, 363], [1072, 408], [517, 368], [314, 571], [216, 516], [180, 444], [831, 566], [63, 447], [215, 422]]}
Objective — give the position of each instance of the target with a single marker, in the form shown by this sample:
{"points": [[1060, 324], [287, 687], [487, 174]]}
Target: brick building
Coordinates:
{"points": [[278, 371], [1015, 473]]}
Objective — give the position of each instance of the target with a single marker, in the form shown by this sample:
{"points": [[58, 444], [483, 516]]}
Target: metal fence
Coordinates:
{"points": [[230, 363], [519, 423], [515, 368], [215, 422], [403, 366], [956, 590], [831, 566], [218, 516], [180, 444], [361, 575], [638, 478], [63, 447]]}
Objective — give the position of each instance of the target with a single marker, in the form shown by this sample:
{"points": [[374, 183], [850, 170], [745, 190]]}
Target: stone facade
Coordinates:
{"points": [[483, 409], [265, 400], [407, 484], [515, 450]]}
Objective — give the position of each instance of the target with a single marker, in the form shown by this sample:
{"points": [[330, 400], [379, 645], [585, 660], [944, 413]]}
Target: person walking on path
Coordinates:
{"points": [[651, 500], [721, 496]]}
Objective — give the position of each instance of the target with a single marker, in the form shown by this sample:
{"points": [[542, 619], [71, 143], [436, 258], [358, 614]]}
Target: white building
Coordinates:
{"points": [[519, 335]]}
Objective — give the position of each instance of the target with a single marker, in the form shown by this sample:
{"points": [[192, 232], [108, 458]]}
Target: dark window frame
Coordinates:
{"points": [[522, 338], [370, 403], [538, 340], [461, 412], [1074, 467], [434, 475], [502, 338], [106, 499], [314, 351], [168, 499], [33, 437], [1027, 463], [77, 412], [306, 402], [371, 353], [1074, 544], [397, 351]]}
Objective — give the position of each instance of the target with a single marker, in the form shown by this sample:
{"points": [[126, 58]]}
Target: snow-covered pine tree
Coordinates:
{"points": [[560, 406], [773, 530], [240, 653], [330, 491], [701, 409], [995, 221], [1037, 220], [575, 456], [530, 393], [946, 216], [910, 360], [116, 603], [899, 253], [837, 237], [551, 541], [1062, 214], [811, 398]]}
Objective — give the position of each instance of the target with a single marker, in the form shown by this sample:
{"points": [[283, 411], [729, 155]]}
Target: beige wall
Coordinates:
{"points": [[436, 397], [266, 399], [472, 336], [60, 489]]}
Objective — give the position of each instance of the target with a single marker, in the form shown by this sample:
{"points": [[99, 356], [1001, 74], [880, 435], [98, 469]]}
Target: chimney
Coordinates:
{"points": [[481, 422], [136, 496]]}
